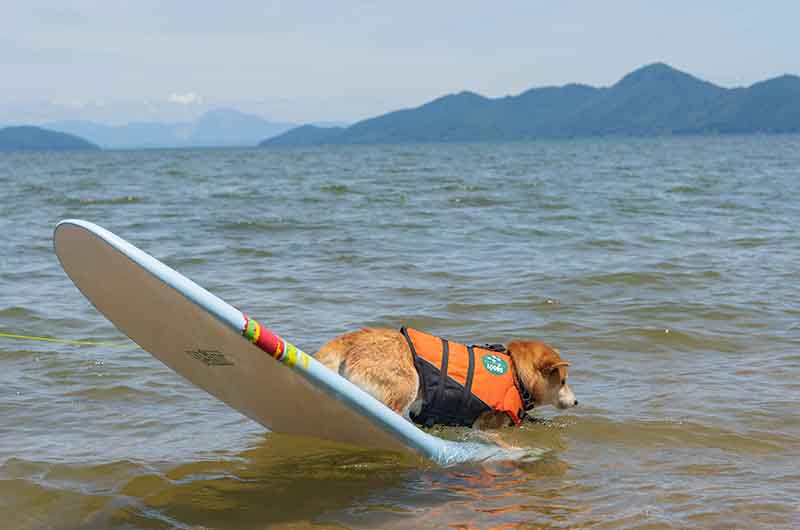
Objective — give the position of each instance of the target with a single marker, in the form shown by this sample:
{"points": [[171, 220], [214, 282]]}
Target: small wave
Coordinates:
{"points": [[405, 170], [412, 291], [242, 195], [674, 433], [394, 198], [666, 311], [472, 452], [12, 353], [144, 485], [114, 393], [669, 265], [560, 218], [18, 313], [671, 339], [623, 278], [346, 259], [607, 244], [35, 189], [526, 232], [447, 275], [471, 188], [562, 328], [462, 308], [404, 226], [654, 240], [553, 205], [253, 252], [271, 280], [72, 493], [730, 205], [336, 189], [751, 242], [475, 202], [638, 279], [186, 262], [426, 322], [688, 190], [81, 201], [273, 226]]}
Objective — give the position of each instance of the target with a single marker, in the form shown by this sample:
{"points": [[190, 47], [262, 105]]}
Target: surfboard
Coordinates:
{"points": [[234, 357]]}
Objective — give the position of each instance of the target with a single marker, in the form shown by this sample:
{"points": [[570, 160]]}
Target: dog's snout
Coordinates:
{"points": [[576, 402]]}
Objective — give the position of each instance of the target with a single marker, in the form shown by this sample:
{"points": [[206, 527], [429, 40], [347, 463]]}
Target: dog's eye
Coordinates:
{"points": [[563, 382]]}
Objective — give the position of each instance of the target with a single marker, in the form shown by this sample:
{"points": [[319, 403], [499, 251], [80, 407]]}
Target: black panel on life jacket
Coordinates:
{"points": [[444, 400]]}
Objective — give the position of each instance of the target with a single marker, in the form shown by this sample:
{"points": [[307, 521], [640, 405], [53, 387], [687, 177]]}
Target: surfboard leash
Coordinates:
{"points": [[15, 336]]}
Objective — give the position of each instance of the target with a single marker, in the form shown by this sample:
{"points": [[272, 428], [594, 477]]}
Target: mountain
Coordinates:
{"points": [[28, 138], [230, 127], [305, 135], [653, 100], [656, 99], [219, 127], [771, 106], [133, 135]]}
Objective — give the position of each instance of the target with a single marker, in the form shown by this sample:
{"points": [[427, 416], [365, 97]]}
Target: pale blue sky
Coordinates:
{"points": [[345, 60]]}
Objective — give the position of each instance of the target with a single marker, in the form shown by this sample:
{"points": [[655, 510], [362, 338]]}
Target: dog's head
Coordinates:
{"points": [[542, 372]]}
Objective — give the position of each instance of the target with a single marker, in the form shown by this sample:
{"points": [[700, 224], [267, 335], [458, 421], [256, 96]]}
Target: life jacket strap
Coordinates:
{"points": [[443, 369], [527, 399], [470, 369]]}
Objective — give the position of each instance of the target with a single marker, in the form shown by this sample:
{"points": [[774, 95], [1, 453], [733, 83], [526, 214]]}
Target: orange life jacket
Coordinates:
{"points": [[459, 382]]}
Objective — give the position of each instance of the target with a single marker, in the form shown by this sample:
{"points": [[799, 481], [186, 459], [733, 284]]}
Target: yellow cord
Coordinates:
{"points": [[65, 341]]}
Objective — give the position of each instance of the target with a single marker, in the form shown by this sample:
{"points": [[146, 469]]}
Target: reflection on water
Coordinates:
{"points": [[281, 480]]}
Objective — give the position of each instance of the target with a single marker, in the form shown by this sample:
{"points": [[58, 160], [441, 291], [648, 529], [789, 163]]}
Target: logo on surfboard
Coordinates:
{"points": [[210, 357]]}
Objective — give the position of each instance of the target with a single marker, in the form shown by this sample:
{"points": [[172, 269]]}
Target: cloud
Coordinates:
{"points": [[190, 98]]}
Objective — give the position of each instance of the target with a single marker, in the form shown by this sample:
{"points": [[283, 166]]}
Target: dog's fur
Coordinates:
{"points": [[381, 363]]}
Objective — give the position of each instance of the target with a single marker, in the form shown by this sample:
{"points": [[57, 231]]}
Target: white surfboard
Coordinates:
{"points": [[233, 357]]}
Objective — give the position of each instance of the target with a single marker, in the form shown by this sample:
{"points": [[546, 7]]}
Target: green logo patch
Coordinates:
{"points": [[495, 364]]}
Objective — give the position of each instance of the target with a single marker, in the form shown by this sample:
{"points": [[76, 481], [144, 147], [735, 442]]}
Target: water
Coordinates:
{"points": [[664, 269]]}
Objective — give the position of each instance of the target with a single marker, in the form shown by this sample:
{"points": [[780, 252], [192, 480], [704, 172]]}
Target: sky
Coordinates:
{"points": [[303, 61]]}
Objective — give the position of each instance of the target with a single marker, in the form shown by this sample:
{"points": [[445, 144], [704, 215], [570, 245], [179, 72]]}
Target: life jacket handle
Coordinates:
{"points": [[499, 348]]}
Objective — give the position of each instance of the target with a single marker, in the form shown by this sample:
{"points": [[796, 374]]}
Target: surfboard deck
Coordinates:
{"points": [[231, 356]]}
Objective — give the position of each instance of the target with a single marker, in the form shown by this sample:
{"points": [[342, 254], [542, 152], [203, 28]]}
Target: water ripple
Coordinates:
{"points": [[664, 269]]}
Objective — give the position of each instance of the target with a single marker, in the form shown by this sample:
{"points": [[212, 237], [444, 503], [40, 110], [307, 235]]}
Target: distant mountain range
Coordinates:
{"points": [[653, 100], [28, 138], [221, 127]]}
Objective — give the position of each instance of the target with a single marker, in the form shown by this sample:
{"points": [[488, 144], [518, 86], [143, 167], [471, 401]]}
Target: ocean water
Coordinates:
{"points": [[666, 271]]}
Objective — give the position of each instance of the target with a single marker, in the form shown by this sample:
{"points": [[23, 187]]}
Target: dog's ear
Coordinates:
{"points": [[555, 366]]}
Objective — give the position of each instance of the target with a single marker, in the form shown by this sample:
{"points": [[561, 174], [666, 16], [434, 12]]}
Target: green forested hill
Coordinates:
{"points": [[28, 138], [653, 100]]}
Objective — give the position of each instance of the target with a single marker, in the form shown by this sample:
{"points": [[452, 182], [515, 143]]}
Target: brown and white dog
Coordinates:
{"points": [[381, 362]]}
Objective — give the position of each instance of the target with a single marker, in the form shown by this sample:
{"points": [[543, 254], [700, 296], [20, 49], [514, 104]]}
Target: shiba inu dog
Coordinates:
{"points": [[431, 380]]}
